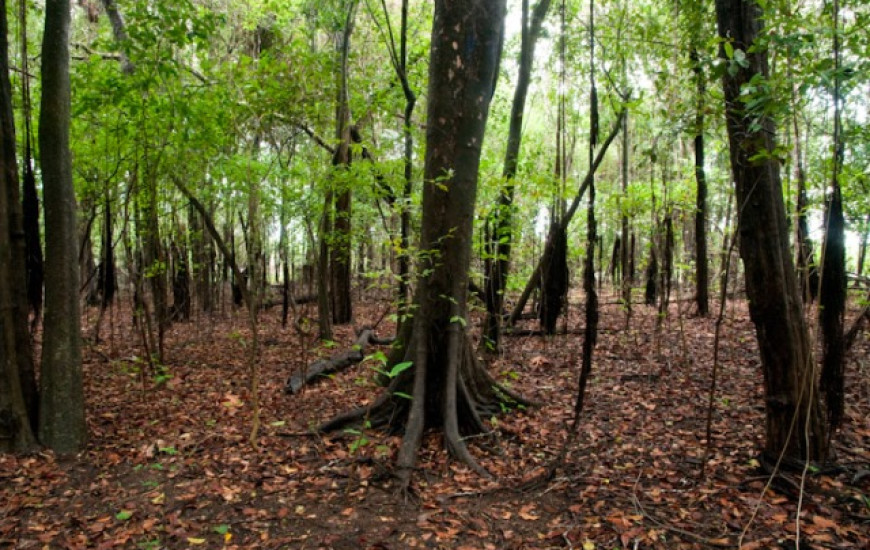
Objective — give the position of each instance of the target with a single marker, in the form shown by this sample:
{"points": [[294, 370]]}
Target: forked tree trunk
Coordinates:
{"points": [[448, 388], [794, 427]]}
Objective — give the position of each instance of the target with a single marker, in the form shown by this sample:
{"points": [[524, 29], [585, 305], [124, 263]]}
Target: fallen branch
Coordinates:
{"points": [[335, 363]]}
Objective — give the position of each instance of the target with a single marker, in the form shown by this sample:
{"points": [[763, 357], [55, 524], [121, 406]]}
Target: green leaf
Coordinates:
{"points": [[399, 368], [222, 529], [124, 515], [729, 50], [403, 394]]}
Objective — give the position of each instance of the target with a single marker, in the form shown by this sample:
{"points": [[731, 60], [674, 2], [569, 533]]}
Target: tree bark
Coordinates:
{"points": [[62, 424], [793, 427], [17, 410], [30, 196], [340, 238], [832, 301], [862, 247], [702, 299], [450, 390], [119, 31]]}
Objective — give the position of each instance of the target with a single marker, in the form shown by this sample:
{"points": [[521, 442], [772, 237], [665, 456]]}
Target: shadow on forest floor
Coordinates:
{"points": [[169, 465]]}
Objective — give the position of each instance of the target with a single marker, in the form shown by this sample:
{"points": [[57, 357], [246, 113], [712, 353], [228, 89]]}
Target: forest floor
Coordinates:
{"points": [[169, 464]]}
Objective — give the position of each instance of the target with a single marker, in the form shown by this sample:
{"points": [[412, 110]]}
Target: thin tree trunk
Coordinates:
{"points": [[862, 247], [501, 238], [535, 278], [340, 237], [250, 305], [702, 300], [590, 336], [30, 197]]}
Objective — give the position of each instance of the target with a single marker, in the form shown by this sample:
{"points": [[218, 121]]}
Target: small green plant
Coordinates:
{"points": [[361, 440], [151, 544]]}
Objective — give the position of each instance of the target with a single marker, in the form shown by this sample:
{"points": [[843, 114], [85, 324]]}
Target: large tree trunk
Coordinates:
{"points": [[16, 361], [450, 390], [499, 247], [62, 424], [794, 426]]}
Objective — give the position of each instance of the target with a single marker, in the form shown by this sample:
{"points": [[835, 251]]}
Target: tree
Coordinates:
{"points": [[794, 426], [832, 300], [15, 356], [446, 387], [701, 276], [62, 424], [499, 245], [339, 200]]}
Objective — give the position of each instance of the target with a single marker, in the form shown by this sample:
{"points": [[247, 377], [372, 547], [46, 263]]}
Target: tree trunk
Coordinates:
{"points": [[806, 265], [794, 427], [106, 280], [702, 299], [203, 260], [62, 424], [832, 301], [450, 390], [180, 310], [554, 278], [340, 238], [119, 31], [17, 409], [535, 279], [499, 246], [626, 251], [651, 291], [862, 247], [30, 199], [154, 256]]}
